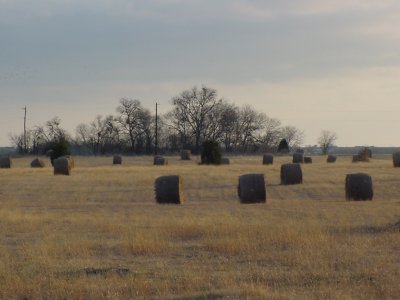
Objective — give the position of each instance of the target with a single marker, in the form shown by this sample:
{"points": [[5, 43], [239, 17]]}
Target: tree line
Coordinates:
{"points": [[197, 115]]}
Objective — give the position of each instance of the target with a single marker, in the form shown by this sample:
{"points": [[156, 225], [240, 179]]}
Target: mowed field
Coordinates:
{"points": [[98, 234]]}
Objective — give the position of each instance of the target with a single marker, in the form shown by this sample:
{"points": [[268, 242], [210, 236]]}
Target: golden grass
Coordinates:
{"points": [[98, 234]]}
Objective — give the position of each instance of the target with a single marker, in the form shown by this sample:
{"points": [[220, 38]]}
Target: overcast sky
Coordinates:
{"points": [[314, 64]]}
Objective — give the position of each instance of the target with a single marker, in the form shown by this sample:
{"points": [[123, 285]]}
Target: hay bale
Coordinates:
{"points": [[117, 160], [169, 190], [185, 154], [356, 158], [396, 159], [291, 174], [5, 162], [37, 163], [160, 160], [359, 187], [331, 159], [298, 158], [225, 161], [268, 159], [307, 160], [363, 155], [251, 189], [62, 166]]}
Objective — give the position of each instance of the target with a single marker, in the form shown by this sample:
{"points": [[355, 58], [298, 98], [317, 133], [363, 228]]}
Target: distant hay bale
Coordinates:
{"points": [[225, 161], [298, 158], [331, 159], [185, 154], [5, 162], [62, 166], [356, 158], [169, 190], [396, 159], [307, 160], [251, 189], [37, 163], [160, 160], [268, 159], [291, 174], [117, 160], [359, 187]]}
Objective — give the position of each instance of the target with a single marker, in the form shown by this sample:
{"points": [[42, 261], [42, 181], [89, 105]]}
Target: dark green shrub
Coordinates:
{"points": [[210, 153], [59, 148], [283, 146]]}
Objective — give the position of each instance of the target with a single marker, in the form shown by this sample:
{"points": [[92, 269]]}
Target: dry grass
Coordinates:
{"points": [[99, 234]]}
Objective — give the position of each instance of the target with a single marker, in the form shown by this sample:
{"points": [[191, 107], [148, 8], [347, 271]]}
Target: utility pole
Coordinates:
{"points": [[25, 148], [156, 142]]}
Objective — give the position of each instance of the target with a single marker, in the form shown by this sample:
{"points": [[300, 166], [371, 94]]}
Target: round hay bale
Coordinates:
{"points": [[185, 154], [268, 159], [117, 160], [62, 166], [298, 158], [160, 161], [359, 187], [291, 174], [37, 163], [355, 158], [331, 159], [251, 189], [5, 162], [307, 160], [396, 159], [169, 190], [225, 161]]}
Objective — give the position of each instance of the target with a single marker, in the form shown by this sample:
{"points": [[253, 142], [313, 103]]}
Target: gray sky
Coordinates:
{"points": [[314, 64]]}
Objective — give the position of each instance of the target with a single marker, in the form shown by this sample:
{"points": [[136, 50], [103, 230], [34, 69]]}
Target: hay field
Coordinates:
{"points": [[98, 233]]}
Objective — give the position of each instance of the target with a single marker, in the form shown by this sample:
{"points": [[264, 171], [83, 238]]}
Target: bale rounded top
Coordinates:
{"points": [[268, 159], [298, 158], [251, 188], [358, 186], [291, 174], [169, 189], [62, 166]]}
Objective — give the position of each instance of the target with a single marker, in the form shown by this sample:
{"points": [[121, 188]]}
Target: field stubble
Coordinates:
{"points": [[99, 234]]}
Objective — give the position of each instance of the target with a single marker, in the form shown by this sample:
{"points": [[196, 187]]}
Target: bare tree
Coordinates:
{"points": [[135, 122], [326, 140], [191, 112], [293, 136]]}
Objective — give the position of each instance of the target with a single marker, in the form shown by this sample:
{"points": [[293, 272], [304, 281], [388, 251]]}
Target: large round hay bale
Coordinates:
{"points": [[331, 159], [268, 159], [291, 174], [37, 163], [396, 159], [185, 154], [5, 162], [251, 189], [62, 166], [225, 161], [359, 187], [298, 158], [117, 160], [169, 190], [160, 160], [307, 160]]}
